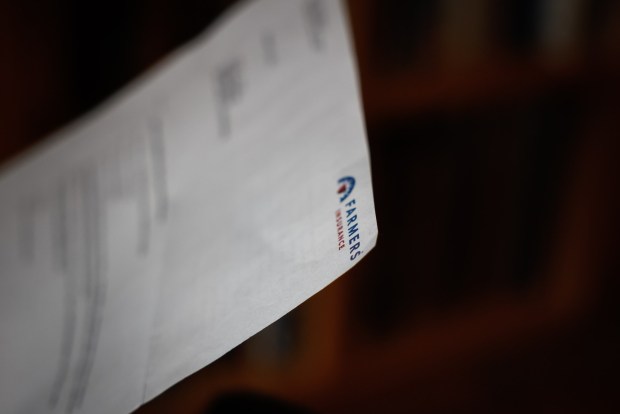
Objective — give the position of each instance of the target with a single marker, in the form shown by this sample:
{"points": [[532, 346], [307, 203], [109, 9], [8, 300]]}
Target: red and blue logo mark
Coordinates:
{"points": [[346, 219], [346, 185]]}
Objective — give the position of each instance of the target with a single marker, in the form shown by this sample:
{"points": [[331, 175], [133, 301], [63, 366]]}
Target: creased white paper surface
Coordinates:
{"points": [[198, 206]]}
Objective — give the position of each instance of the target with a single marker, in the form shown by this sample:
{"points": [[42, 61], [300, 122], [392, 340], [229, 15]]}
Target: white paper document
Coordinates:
{"points": [[196, 207]]}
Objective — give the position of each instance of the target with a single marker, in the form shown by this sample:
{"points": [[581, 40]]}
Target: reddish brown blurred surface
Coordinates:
{"points": [[494, 284]]}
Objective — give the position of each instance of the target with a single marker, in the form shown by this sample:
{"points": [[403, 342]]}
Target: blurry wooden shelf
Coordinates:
{"points": [[390, 94], [502, 322], [395, 95]]}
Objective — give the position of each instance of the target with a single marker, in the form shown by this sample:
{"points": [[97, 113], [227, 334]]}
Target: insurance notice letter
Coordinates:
{"points": [[215, 194]]}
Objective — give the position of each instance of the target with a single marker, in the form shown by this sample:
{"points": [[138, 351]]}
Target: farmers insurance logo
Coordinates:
{"points": [[346, 186], [346, 219]]}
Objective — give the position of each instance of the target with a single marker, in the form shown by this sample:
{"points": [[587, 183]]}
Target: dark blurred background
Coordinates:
{"points": [[494, 134]]}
